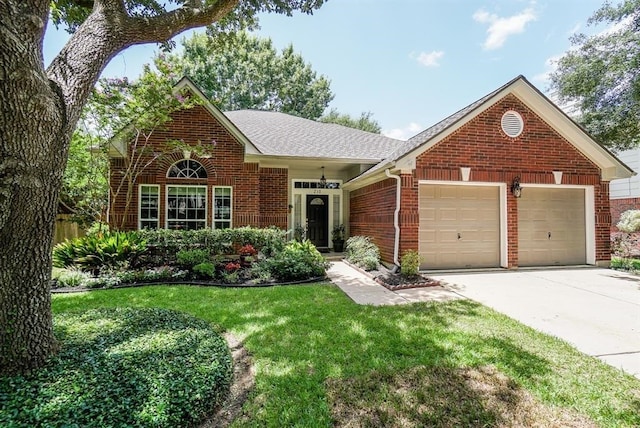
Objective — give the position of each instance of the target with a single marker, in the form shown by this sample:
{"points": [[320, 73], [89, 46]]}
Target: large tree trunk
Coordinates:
{"points": [[33, 153]]}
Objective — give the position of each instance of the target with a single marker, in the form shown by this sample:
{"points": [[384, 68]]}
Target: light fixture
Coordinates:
{"points": [[515, 187], [323, 180]]}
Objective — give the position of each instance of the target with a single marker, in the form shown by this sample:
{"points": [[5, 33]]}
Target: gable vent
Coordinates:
{"points": [[512, 123]]}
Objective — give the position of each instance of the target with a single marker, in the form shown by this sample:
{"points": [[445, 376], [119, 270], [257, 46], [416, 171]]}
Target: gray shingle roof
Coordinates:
{"points": [[280, 134], [426, 135]]}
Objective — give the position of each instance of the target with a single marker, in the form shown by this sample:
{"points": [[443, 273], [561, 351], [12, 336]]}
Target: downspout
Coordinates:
{"points": [[396, 225]]}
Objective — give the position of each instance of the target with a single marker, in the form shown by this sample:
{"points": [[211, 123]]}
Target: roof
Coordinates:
{"points": [[405, 154], [280, 134]]}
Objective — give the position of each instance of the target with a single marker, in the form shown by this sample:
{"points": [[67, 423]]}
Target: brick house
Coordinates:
{"points": [[507, 181]]}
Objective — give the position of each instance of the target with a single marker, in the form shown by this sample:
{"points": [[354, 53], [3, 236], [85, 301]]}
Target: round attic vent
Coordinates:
{"points": [[512, 123]]}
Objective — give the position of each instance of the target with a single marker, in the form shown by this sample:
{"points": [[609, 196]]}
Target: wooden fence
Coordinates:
{"points": [[66, 229]]}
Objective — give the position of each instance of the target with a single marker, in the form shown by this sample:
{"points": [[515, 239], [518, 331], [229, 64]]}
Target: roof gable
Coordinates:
{"points": [[117, 147], [404, 157]]}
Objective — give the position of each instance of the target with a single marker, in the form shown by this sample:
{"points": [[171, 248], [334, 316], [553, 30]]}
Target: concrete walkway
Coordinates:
{"points": [[365, 291]]}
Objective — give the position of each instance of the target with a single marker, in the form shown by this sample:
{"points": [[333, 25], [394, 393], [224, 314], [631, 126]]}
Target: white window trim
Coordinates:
{"points": [[140, 186], [187, 178], [166, 202], [213, 207]]}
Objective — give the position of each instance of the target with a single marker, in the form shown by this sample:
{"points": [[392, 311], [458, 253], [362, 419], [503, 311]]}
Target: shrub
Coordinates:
{"points": [[298, 260], [362, 252], [123, 367], [91, 252], [73, 277], [167, 243], [410, 263], [205, 270], [629, 221], [191, 258]]}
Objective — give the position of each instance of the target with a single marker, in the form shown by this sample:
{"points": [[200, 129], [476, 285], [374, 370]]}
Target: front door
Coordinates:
{"points": [[318, 220]]}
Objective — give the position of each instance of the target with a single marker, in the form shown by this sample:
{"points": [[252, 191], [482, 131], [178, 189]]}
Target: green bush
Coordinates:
{"points": [[191, 258], [410, 263], [205, 269], [123, 367], [167, 243], [101, 250], [297, 261], [362, 252], [72, 277]]}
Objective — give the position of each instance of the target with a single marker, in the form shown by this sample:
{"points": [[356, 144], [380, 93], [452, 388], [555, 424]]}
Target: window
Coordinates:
{"points": [[187, 169], [222, 207], [149, 201], [186, 207]]}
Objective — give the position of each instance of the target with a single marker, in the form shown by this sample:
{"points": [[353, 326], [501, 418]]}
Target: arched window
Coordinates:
{"points": [[187, 168]]}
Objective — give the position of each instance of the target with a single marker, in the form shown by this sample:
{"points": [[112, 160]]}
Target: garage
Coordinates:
{"points": [[459, 226], [551, 227]]}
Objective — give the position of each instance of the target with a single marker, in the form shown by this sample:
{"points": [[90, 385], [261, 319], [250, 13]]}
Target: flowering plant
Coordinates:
{"points": [[232, 266], [248, 250]]}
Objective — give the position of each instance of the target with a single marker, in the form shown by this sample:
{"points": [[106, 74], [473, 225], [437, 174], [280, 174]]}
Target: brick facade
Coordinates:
{"points": [[493, 157], [259, 195]]}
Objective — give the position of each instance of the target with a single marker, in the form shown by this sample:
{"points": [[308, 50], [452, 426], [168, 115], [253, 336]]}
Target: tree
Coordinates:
{"points": [[602, 76], [365, 122], [40, 110], [243, 71]]}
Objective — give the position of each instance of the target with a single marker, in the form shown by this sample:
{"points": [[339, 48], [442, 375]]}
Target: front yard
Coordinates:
{"points": [[321, 360]]}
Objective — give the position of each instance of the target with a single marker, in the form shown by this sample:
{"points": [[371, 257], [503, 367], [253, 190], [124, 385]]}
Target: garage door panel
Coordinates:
{"points": [[551, 227], [465, 226]]}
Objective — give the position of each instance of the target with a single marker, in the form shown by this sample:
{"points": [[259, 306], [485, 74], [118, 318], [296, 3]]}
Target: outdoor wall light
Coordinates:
{"points": [[515, 187], [323, 180]]}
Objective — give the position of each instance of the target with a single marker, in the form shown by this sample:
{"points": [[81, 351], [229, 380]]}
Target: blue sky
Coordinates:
{"points": [[411, 62]]}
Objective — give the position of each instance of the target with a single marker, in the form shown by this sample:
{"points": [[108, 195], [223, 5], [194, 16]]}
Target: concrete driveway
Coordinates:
{"points": [[596, 310]]}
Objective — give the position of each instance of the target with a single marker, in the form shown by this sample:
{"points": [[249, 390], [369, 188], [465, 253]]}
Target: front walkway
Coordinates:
{"points": [[365, 291]]}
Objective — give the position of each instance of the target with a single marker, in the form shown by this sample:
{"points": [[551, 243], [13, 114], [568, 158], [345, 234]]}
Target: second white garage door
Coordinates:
{"points": [[551, 227], [459, 226]]}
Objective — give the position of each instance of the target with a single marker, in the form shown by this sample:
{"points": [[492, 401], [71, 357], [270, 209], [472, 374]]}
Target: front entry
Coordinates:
{"points": [[318, 220]]}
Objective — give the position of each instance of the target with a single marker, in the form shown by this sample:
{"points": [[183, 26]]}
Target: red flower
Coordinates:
{"points": [[232, 266], [248, 250]]}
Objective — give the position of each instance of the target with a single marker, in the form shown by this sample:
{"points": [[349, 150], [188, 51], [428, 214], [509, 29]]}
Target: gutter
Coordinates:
{"points": [[396, 225]]}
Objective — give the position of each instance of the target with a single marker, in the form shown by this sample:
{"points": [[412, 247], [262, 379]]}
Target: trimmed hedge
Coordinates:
{"points": [[123, 367]]}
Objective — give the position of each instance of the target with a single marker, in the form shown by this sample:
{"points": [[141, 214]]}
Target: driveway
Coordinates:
{"points": [[596, 310]]}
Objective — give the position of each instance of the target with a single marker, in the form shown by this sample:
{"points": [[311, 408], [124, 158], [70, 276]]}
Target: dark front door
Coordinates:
{"points": [[318, 220]]}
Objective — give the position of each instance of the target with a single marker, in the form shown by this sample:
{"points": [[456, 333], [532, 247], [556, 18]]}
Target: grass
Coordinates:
{"points": [[322, 360]]}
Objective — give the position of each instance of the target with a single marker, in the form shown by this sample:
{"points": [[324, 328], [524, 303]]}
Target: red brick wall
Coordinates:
{"points": [[618, 206], [226, 167], [494, 157], [371, 214], [274, 200]]}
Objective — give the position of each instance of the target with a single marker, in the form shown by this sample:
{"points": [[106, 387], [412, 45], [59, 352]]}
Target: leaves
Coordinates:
{"points": [[602, 76], [242, 71], [365, 122]]}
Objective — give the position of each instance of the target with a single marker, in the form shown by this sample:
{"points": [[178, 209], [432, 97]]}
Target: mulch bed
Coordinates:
{"points": [[399, 282], [396, 281]]}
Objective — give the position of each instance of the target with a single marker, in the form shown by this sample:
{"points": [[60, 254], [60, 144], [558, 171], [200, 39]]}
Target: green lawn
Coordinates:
{"points": [[322, 360]]}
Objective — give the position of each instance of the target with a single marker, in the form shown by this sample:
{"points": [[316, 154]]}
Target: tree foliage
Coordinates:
{"points": [[243, 71], [365, 122], [602, 76]]}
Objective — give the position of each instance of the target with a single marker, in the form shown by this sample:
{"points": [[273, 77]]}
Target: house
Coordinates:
{"points": [[508, 181], [625, 193]]}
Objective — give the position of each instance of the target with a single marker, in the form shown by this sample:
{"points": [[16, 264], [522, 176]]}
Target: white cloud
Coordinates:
{"points": [[429, 59], [403, 133], [500, 28]]}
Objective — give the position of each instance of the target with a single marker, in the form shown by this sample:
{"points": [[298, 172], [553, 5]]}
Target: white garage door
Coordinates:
{"points": [[459, 226], [551, 227]]}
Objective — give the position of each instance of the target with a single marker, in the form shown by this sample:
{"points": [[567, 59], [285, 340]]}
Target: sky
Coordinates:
{"points": [[411, 63]]}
